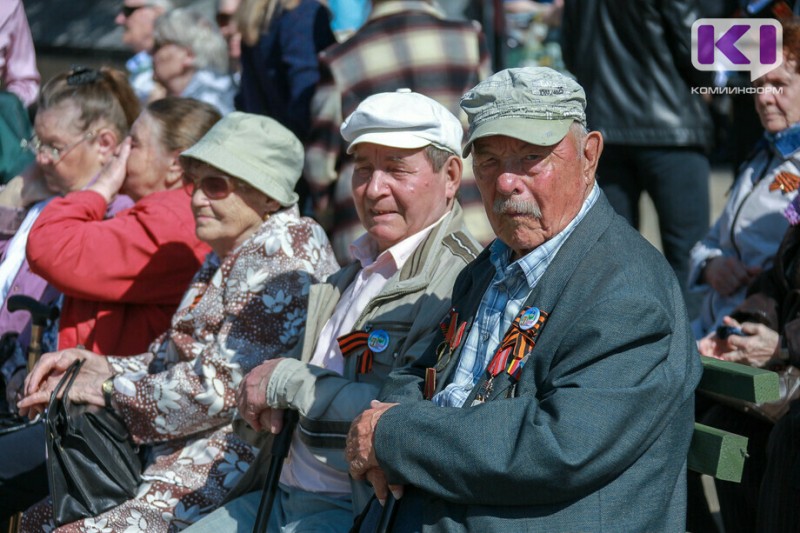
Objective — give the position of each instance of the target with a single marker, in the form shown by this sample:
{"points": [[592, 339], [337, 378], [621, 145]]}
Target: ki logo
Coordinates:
{"points": [[754, 45]]}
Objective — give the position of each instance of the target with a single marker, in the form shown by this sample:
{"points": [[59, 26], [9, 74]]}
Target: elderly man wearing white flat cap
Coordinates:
{"points": [[374, 315]]}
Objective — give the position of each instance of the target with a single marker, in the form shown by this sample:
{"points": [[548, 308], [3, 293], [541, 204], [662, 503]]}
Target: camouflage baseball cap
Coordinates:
{"points": [[533, 104]]}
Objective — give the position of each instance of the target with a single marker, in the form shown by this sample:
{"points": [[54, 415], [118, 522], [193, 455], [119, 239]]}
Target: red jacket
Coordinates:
{"points": [[123, 277]]}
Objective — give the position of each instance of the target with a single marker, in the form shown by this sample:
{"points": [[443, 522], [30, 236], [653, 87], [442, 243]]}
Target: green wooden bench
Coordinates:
{"points": [[718, 453]]}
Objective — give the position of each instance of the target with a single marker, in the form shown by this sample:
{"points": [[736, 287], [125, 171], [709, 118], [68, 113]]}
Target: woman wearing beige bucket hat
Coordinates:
{"points": [[245, 305]]}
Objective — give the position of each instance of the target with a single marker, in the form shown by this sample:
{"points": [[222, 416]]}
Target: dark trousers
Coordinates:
{"points": [[779, 499], [677, 181], [23, 476], [407, 516], [738, 502]]}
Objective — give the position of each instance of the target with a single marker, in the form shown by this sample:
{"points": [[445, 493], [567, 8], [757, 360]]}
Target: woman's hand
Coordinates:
{"points": [[26, 189], [34, 186], [755, 348], [87, 388], [726, 275], [110, 180]]}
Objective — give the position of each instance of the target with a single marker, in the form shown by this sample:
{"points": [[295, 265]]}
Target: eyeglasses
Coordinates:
{"points": [[213, 187], [127, 11], [55, 154]]}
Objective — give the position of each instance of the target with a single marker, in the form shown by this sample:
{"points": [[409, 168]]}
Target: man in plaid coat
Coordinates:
{"points": [[404, 44]]}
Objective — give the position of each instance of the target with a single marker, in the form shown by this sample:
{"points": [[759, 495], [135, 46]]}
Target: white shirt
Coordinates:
{"points": [[302, 469]]}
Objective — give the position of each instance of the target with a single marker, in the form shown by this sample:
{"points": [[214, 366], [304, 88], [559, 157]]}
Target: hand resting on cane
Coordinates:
{"points": [[252, 399], [50, 369], [360, 451]]}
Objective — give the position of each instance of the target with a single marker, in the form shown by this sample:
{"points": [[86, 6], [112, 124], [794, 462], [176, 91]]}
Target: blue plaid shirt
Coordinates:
{"points": [[502, 301]]}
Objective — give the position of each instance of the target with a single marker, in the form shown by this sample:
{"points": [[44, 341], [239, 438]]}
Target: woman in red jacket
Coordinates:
{"points": [[123, 277]]}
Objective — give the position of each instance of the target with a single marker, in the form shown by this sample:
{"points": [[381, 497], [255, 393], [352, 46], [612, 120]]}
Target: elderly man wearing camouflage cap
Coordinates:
{"points": [[562, 382], [376, 314]]}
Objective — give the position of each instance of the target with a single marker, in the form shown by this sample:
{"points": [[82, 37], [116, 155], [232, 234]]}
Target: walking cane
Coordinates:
{"points": [[280, 449], [41, 316], [387, 515]]}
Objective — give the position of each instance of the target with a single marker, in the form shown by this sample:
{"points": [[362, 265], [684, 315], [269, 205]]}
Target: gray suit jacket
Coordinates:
{"points": [[595, 434]]}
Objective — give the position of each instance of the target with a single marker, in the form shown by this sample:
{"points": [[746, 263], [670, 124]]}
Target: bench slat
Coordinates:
{"points": [[739, 381], [717, 453]]}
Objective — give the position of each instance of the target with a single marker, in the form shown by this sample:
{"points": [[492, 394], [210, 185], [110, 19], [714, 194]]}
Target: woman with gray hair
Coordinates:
{"points": [[190, 58]]}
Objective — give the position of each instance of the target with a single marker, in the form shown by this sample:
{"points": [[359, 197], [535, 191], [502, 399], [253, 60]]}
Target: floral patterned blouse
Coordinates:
{"points": [[180, 397]]}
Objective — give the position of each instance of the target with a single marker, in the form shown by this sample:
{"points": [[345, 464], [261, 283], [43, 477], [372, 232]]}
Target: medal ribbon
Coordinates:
{"points": [[786, 182], [517, 343], [351, 343], [451, 330], [453, 333]]}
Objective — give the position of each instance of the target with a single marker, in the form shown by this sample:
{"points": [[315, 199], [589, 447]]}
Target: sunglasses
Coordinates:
{"points": [[213, 187], [127, 11], [223, 19]]}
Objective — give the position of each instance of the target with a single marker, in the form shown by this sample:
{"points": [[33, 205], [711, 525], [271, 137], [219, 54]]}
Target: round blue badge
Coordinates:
{"points": [[378, 341], [529, 318]]}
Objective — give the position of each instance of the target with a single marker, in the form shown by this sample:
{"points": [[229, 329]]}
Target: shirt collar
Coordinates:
{"points": [[786, 141], [500, 253], [365, 250]]}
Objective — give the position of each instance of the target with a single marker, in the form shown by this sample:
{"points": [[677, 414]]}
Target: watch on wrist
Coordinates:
{"points": [[108, 389]]}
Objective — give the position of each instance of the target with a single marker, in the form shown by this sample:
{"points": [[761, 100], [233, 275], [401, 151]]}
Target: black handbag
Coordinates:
{"points": [[92, 464]]}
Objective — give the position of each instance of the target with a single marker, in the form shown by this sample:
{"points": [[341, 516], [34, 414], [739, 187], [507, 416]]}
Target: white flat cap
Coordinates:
{"points": [[403, 119]]}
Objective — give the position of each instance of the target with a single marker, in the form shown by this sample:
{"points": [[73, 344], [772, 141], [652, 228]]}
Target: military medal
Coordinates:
{"points": [[453, 334], [430, 383], [515, 349]]}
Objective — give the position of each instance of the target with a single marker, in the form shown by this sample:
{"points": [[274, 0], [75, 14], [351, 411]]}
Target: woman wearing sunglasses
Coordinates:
{"points": [[246, 304]]}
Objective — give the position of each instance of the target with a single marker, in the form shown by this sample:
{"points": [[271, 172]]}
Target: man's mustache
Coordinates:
{"points": [[505, 206]]}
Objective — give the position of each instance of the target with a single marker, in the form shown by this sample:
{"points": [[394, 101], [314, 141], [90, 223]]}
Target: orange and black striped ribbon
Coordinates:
{"points": [[516, 344], [786, 182], [351, 343]]}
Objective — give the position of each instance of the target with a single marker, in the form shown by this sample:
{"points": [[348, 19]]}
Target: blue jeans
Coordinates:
{"points": [[677, 181], [294, 511]]}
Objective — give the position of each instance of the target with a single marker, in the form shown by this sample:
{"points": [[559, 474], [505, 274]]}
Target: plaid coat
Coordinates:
{"points": [[405, 43]]}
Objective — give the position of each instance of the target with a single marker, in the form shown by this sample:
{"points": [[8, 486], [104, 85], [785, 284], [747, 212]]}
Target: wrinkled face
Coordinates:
{"points": [[170, 61], [78, 160], [138, 26], [227, 222], [531, 192], [397, 193], [148, 162], [778, 106]]}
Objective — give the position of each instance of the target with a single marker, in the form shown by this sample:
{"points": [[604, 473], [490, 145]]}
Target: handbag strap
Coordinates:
{"points": [[64, 385]]}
